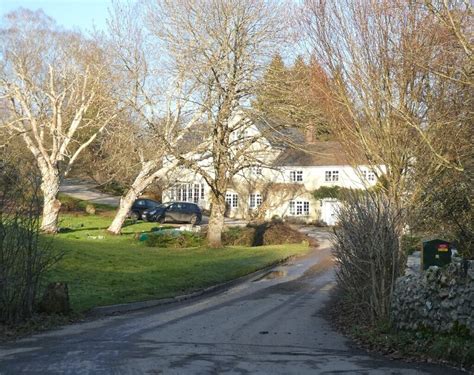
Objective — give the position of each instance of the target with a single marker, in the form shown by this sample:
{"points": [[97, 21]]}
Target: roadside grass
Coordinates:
{"points": [[103, 269]]}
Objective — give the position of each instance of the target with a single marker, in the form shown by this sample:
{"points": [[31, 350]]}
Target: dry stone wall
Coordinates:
{"points": [[440, 299]]}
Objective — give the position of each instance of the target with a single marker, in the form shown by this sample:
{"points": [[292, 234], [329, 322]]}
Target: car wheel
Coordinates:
{"points": [[134, 216], [194, 220], [161, 220]]}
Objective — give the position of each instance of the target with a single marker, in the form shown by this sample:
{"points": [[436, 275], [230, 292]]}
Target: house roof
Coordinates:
{"points": [[295, 151], [319, 153], [278, 133]]}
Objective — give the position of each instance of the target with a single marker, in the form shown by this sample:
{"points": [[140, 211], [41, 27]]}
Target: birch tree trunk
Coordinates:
{"points": [[142, 181], [122, 213], [51, 204], [216, 221]]}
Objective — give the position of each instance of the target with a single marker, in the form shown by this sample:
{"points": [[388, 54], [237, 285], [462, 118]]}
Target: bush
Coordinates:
{"points": [[70, 204], [367, 251], [25, 255], [336, 192], [113, 188], [238, 236], [174, 239], [262, 234]]}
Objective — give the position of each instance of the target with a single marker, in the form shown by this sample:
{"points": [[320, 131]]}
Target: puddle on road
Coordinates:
{"points": [[272, 275], [328, 287]]}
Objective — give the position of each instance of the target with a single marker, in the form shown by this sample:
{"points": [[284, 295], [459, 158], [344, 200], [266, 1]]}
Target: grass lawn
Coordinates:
{"points": [[102, 269]]}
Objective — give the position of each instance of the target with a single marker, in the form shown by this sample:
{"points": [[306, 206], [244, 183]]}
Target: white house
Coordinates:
{"points": [[282, 183]]}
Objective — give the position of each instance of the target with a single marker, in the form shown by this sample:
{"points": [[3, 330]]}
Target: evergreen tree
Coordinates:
{"points": [[295, 96], [273, 92]]}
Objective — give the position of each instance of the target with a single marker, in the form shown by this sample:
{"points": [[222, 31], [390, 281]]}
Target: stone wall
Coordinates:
{"points": [[438, 298]]}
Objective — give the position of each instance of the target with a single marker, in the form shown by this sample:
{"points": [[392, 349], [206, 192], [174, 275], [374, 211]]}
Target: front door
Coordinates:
{"points": [[328, 211]]}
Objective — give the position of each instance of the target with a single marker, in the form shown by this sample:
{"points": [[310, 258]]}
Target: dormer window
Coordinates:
{"points": [[296, 176], [331, 176]]}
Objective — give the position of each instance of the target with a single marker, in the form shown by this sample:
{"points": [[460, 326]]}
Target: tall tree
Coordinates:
{"points": [[371, 51], [58, 102], [155, 99], [445, 199], [401, 84], [221, 47], [273, 92], [294, 95]]}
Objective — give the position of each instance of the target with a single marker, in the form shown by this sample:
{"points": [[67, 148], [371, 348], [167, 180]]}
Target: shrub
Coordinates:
{"points": [[367, 251], [278, 234], [238, 236], [174, 239], [69, 204], [113, 187], [25, 256], [262, 234]]}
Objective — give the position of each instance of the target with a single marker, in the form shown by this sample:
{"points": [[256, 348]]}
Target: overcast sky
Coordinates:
{"points": [[71, 14]]}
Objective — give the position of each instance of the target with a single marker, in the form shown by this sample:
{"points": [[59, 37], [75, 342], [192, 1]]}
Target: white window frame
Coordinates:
{"points": [[255, 200], [196, 193], [331, 175], [189, 192], [296, 176], [299, 208], [369, 176], [232, 199]]}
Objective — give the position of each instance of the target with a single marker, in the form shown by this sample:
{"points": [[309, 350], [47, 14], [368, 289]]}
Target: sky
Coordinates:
{"points": [[72, 14]]}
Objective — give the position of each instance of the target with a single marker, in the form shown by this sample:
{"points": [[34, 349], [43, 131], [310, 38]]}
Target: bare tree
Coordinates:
{"points": [[401, 87], [381, 58], [456, 16], [220, 48], [57, 100], [366, 249], [155, 100], [358, 44]]}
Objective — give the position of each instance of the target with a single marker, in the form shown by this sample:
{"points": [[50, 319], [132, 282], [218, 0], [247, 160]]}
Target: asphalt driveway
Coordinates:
{"points": [[271, 325]]}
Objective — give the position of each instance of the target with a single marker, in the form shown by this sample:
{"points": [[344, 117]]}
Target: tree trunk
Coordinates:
{"points": [[216, 222], [124, 208], [142, 181], [51, 204]]}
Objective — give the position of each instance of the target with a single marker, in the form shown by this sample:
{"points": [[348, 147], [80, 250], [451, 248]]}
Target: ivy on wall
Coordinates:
{"points": [[335, 192]]}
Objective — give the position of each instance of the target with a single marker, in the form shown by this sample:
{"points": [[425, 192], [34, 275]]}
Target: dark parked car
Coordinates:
{"points": [[140, 206], [175, 212]]}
